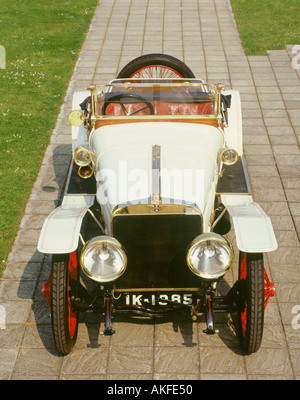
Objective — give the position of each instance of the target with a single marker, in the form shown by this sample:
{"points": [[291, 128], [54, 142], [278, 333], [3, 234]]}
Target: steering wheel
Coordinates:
{"points": [[133, 98]]}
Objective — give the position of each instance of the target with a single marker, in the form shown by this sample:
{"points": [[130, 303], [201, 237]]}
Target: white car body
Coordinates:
{"points": [[158, 167], [187, 150]]}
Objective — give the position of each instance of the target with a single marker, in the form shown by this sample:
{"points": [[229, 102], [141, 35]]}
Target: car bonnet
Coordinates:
{"points": [[175, 160]]}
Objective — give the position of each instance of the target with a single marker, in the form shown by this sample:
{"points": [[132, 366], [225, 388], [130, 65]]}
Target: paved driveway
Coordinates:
{"points": [[203, 34]]}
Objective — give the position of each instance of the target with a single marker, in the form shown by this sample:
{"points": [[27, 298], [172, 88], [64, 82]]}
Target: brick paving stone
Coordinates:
{"points": [[136, 360], [172, 360], [204, 35]]}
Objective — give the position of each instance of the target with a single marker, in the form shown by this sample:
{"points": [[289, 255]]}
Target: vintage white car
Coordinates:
{"points": [[158, 167]]}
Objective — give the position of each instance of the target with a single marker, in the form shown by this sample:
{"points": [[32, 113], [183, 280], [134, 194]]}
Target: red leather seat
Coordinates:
{"points": [[162, 108], [115, 109], [166, 108]]}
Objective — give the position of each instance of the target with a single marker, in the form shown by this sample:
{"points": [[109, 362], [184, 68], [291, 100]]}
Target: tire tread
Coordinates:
{"points": [[63, 342], [152, 59]]}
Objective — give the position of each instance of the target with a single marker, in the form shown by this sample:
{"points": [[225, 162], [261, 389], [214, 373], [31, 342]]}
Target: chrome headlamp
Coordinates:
{"points": [[209, 256], [103, 259], [82, 156], [229, 156]]}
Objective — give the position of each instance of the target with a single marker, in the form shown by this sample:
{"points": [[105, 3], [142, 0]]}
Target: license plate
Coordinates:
{"points": [[156, 299]]}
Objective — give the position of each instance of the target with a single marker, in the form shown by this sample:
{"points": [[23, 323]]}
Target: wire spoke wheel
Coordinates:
{"points": [[64, 317], [156, 71], [251, 314]]}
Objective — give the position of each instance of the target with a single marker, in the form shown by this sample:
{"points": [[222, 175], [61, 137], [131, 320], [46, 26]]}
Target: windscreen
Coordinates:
{"points": [[156, 98]]}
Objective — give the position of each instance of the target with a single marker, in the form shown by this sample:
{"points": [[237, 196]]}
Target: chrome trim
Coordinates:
{"points": [[148, 208], [85, 175], [96, 221], [155, 117], [246, 175], [153, 209], [223, 159], [85, 150], [212, 89], [121, 290], [206, 237], [218, 219], [94, 242], [156, 181]]}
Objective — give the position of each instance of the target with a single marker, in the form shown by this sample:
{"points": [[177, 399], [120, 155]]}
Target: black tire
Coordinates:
{"points": [[171, 66], [63, 317], [251, 315]]}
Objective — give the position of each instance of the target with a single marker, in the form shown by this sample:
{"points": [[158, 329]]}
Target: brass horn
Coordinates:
{"points": [[85, 171]]}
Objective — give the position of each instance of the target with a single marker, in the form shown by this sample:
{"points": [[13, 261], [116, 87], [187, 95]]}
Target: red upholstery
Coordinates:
{"points": [[165, 108], [162, 108], [116, 109]]}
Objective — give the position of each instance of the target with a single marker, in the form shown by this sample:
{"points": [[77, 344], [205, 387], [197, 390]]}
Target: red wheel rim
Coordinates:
{"points": [[156, 71], [72, 274], [243, 275]]}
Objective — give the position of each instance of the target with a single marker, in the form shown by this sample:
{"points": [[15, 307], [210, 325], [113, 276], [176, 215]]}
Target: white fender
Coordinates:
{"points": [[253, 228], [60, 232]]}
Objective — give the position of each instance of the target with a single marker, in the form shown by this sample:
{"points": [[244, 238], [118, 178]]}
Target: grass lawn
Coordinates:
{"points": [[267, 24], [42, 40]]}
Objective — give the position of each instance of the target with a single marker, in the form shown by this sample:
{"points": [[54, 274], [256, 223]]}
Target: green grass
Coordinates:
{"points": [[42, 40], [267, 24]]}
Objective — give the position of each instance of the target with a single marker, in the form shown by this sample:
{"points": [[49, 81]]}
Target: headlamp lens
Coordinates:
{"points": [[229, 156], [82, 157], [103, 259], [209, 256]]}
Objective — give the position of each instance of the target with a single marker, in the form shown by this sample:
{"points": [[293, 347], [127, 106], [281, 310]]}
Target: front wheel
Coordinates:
{"points": [[252, 296], [64, 317], [153, 66]]}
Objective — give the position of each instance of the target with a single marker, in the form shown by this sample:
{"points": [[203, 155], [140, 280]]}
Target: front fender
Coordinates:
{"points": [[253, 228], [60, 232]]}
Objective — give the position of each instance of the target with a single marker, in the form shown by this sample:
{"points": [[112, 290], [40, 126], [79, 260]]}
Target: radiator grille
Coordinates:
{"points": [[156, 249]]}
